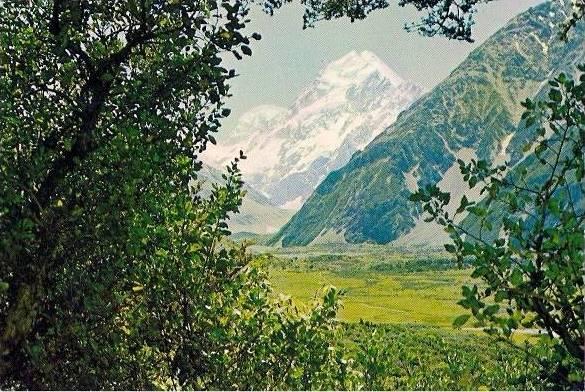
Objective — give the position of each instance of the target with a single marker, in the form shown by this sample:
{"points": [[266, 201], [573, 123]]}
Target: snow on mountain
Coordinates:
{"points": [[290, 151], [252, 123], [257, 214]]}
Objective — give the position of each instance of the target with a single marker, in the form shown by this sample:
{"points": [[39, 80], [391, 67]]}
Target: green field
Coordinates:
{"points": [[413, 297], [407, 302], [381, 285]]}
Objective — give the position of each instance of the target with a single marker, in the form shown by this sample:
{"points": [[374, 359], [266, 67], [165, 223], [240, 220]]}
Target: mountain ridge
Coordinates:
{"points": [[476, 108]]}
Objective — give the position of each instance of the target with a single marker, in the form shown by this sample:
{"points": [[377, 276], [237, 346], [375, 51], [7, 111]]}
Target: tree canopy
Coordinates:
{"points": [[453, 19]]}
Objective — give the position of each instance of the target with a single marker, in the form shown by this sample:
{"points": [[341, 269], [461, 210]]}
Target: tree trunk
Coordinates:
{"points": [[19, 323]]}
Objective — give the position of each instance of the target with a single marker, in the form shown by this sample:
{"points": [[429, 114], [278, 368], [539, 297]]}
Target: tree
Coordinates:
{"points": [[450, 18], [111, 264], [525, 239], [92, 139]]}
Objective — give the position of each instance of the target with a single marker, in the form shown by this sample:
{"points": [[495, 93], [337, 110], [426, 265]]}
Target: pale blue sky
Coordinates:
{"points": [[287, 57]]}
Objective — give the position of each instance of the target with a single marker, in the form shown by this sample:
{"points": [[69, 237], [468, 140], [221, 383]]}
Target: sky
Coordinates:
{"points": [[287, 57]]}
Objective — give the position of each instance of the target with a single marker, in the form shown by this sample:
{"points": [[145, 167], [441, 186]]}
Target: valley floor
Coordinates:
{"points": [[398, 308], [427, 298], [380, 285]]}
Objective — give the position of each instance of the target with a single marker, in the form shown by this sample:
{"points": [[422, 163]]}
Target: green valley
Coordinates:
{"points": [[396, 317], [399, 288], [411, 298]]}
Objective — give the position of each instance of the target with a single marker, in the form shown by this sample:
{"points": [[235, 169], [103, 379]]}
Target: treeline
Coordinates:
{"points": [[347, 265]]}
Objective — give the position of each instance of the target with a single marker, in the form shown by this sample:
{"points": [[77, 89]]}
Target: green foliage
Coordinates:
{"points": [[391, 357], [528, 249], [114, 270], [104, 108], [450, 18], [356, 260], [407, 350], [114, 273]]}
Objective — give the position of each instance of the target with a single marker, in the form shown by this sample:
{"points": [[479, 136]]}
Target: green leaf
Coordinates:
{"points": [[460, 320], [516, 277], [491, 310], [500, 296], [464, 203], [67, 144], [555, 95], [450, 248]]}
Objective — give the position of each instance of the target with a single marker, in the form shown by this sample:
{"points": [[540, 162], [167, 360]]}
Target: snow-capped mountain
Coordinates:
{"points": [[290, 151], [475, 113]]}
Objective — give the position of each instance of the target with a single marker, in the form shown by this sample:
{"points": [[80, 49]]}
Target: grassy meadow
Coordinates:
{"points": [[380, 285], [427, 297], [397, 314]]}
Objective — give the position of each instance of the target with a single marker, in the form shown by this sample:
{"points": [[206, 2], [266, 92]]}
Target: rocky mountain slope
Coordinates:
{"points": [[475, 112], [290, 151], [257, 214]]}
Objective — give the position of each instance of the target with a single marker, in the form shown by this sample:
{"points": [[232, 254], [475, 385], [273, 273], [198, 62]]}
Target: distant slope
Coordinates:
{"points": [[474, 112], [290, 151], [258, 215]]}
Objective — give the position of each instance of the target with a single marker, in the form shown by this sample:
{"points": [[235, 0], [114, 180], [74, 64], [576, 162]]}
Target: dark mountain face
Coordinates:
{"points": [[474, 112]]}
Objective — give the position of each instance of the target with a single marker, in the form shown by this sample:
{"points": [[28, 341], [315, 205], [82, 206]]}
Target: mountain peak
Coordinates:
{"points": [[354, 67], [290, 151], [354, 70]]}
